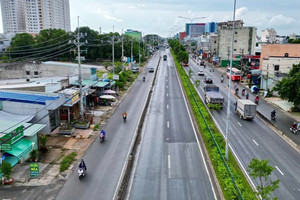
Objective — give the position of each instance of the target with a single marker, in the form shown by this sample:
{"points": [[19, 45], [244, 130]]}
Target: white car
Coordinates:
{"points": [[200, 73]]}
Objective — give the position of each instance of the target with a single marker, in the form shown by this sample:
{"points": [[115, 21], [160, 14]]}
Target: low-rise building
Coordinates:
{"points": [[268, 36]]}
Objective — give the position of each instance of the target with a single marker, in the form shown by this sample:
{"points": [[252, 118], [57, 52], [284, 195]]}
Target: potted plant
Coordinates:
{"points": [[34, 155], [6, 169], [66, 129], [43, 140]]}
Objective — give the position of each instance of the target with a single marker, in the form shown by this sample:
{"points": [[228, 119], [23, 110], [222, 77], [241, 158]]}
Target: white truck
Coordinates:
{"points": [[246, 109], [212, 95]]}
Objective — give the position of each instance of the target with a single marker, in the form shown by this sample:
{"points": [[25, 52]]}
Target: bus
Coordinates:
{"points": [[235, 75]]}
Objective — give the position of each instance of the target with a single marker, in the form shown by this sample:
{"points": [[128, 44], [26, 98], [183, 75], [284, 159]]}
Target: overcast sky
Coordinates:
{"points": [[161, 16]]}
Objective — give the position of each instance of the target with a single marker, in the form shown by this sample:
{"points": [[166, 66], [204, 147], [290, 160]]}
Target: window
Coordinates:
{"points": [[27, 72], [276, 67], [235, 32], [36, 73], [286, 55], [235, 40]]}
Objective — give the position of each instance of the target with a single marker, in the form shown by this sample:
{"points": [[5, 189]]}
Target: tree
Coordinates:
{"points": [[288, 87], [262, 170], [183, 56], [6, 169], [20, 44]]}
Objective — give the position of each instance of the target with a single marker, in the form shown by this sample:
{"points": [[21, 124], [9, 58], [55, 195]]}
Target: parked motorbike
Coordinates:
{"points": [[222, 79], [247, 96], [81, 172]]}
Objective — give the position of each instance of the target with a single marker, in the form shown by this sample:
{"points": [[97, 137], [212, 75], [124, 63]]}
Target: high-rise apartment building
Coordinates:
{"points": [[31, 16], [194, 29]]}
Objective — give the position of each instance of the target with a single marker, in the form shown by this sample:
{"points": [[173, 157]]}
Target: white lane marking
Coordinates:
{"points": [[240, 124], [168, 124], [201, 152], [255, 142], [279, 171], [167, 94], [167, 106], [169, 165]]}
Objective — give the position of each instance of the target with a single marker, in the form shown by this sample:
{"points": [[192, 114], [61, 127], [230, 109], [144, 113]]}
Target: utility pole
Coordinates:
{"points": [[131, 59], [267, 77], [79, 76], [229, 89], [113, 50], [100, 29], [122, 59], [139, 53]]}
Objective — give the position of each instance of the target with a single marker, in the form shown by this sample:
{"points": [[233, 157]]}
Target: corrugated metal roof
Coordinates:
{"points": [[26, 97], [92, 83], [8, 126]]}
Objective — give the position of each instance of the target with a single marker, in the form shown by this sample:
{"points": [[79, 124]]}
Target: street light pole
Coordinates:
{"points": [[229, 89], [113, 50]]}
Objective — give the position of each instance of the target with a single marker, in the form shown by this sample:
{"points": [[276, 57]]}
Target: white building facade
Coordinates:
{"points": [[268, 36], [32, 16], [244, 40]]}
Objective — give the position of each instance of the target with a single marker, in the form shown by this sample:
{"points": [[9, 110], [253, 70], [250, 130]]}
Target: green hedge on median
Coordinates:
{"points": [[222, 174]]}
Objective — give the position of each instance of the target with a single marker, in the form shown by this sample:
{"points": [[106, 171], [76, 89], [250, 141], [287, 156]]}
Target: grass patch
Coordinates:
{"points": [[229, 189], [67, 161]]}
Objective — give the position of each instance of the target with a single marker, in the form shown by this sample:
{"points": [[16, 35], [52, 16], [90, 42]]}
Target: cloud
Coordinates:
{"points": [[109, 17], [241, 11]]}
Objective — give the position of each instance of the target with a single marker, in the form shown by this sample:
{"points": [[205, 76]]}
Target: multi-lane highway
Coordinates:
{"points": [[105, 161], [254, 139], [171, 164]]}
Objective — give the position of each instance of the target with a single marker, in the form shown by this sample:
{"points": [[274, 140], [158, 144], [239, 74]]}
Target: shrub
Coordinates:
{"points": [[44, 140], [67, 161], [34, 155], [6, 169]]}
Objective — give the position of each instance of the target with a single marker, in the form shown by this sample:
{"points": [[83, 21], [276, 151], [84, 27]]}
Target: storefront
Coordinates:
{"points": [[18, 139]]}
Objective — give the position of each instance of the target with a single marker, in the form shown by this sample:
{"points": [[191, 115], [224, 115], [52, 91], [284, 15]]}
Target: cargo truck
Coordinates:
{"points": [[212, 95], [246, 109]]}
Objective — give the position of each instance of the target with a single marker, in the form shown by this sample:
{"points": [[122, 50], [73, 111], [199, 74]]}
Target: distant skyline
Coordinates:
{"points": [[161, 17]]}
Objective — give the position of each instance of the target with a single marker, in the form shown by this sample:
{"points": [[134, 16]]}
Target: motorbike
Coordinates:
{"points": [[243, 92], [124, 118], [81, 172], [247, 96], [236, 91], [102, 138], [273, 116], [294, 130], [256, 101], [144, 78], [222, 79]]}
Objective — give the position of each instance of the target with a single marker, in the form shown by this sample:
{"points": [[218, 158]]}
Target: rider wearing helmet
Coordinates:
{"points": [[82, 164], [124, 114], [102, 133]]}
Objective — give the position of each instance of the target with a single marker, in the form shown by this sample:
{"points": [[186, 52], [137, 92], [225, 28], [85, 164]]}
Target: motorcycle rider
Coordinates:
{"points": [[236, 90], [243, 91], [273, 114], [247, 95], [144, 79], [82, 165], [124, 114], [222, 78], [102, 134], [256, 99], [294, 126]]}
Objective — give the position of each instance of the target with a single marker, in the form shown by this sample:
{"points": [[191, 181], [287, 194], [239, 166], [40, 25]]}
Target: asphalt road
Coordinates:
{"points": [[170, 164], [105, 161], [254, 139]]}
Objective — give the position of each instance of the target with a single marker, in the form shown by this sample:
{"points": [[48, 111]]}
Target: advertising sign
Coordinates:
{"points": [[34, 169], [13, 136]]}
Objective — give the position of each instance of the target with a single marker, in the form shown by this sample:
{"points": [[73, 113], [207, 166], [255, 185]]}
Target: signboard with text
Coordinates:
{"points": [[6, 147], [13, 136], [34, 169]]}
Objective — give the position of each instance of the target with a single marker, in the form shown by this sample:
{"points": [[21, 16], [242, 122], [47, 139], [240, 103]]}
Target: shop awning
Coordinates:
{"points": [[20, 148]]}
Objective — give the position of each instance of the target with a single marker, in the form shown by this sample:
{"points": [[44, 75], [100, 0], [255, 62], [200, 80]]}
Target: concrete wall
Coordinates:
{"points": [[271, 50], [244, 38], [18, 70]]}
